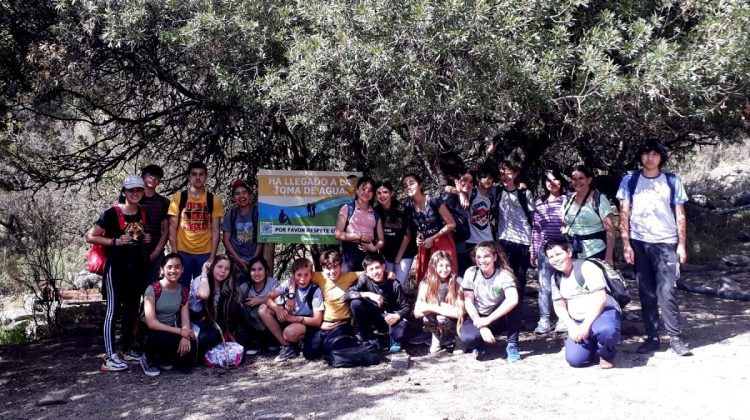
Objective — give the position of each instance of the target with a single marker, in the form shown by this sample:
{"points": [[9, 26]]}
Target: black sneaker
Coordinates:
{"points": [[149, 369], [680, 348], [650, 345], [287, 352]]}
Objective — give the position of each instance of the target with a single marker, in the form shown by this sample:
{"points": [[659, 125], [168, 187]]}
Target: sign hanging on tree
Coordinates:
{"points": [[302, 206]]}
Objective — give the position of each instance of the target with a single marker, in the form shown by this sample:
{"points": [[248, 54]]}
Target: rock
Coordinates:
{"points": [[743, 235], [85, 280], [4, 382], [400, 361], [276, 416], [53, 398], [728, 285], [700, 199], [729, 180], [742, 199], [736, 260]]}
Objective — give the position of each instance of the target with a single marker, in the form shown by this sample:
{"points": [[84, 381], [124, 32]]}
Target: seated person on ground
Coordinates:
{"points": [[590, 313], [439, 301], [337, 316], [167, 337], [251, 331], [210, 295], [491, 300], [378, 303], [290, 328]]}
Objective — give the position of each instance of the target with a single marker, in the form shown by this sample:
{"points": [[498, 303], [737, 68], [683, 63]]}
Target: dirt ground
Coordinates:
{"points": [[711, 384]]}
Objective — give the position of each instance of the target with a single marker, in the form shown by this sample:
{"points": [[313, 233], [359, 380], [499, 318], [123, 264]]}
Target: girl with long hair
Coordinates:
{"points": [[547, 224], [431, 219], [358, 227], [252, 333], [400, 243], [121, 230], [211, 295], [492, 301], [440, 302]]}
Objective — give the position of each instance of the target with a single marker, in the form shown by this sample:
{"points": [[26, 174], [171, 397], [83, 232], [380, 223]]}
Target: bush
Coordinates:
{"points": [[14, 335], [712, 235]]}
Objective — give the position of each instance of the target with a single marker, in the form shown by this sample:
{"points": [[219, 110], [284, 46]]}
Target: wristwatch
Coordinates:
{"points": [[289, 295]]}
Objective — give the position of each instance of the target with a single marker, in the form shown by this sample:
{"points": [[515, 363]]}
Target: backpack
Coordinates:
{"points": [[522, 201], [614, 279], [350, 206], [363, 354], [671, 181], [595, 202], [157, 293], [225, 355], [184, 199], [96, 257]]}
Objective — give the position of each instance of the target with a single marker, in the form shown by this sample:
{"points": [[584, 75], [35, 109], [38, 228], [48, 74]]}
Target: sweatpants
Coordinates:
{"points": [[601, 343], [123, 302], [369, 318], [657, 268]]}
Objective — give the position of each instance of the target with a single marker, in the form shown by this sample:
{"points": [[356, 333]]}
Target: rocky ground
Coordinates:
{"points": [[60, 378]]}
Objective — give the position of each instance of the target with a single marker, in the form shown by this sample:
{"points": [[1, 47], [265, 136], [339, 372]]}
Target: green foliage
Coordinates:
{"points": [[13, 335], [712, 235]]}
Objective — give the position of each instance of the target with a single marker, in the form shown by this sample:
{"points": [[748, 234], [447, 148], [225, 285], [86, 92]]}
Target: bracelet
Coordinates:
{"points": [[114, 241]]}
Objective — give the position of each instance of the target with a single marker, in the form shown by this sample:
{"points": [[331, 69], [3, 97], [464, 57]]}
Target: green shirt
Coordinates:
{"points": [[168, 305]]}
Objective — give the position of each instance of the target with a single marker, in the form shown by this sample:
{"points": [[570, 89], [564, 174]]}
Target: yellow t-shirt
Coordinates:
{"points": [[336, 308], [194, 228]]}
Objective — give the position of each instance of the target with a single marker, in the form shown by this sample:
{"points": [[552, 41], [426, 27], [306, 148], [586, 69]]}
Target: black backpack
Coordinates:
{"points": [[184, 200], [615, 281], [363, 354]]}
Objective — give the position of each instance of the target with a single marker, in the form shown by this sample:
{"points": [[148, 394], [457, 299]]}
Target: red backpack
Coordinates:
{"points": [[97, 255]]}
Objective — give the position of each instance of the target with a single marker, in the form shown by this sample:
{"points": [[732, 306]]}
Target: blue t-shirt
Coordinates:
{"points": [[243, 235]]}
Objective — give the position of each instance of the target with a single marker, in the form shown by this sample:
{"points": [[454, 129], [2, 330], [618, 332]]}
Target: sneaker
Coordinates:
{"points": [[149, 369], [132, 356], [650, 345], [543, 327], [287, 352], [560, 327], [252, 351], [513, 354], [395, 347], [680, 348], [113, 364], [435, 344]]}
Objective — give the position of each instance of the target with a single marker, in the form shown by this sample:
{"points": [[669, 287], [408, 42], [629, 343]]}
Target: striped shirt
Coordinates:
{"points": [[547, 223]]}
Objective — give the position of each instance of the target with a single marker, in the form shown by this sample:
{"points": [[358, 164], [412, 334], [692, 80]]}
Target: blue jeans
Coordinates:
{"points": [[511, 323], [657, 268], [369, 318], [546, 277], [602, 341], [193, 264], [402, 270]]}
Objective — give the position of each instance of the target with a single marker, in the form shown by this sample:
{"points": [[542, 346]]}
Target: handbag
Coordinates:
{"points": [[95, 259]]}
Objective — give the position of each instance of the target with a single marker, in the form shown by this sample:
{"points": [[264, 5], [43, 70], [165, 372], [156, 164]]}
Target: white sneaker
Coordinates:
{"points": [[113, 364]]}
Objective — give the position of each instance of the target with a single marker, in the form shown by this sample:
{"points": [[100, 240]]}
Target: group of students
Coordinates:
{"points": [[472, 245]]}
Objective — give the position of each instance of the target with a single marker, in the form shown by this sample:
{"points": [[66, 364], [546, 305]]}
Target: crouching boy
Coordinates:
{"points": [[590, 313], [305, 317], [378, 303]]}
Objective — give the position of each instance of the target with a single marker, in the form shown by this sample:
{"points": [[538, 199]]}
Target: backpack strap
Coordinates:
{"points": [[157, 290], [524, 202], [350, 206], [120, 217], [185, 295], [595, 201], [311, 295], [233, 220], [671, 182], [577, 271], [184, 199]]}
